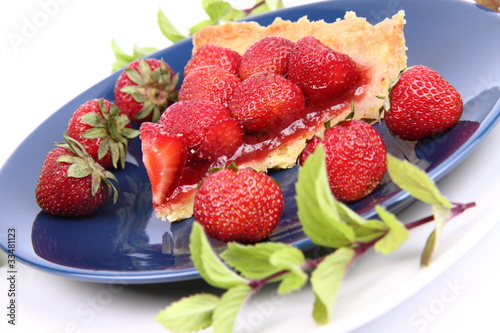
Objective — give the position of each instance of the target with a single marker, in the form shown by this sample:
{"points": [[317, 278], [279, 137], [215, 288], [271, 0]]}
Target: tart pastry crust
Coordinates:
{"points": [[378, 49]]}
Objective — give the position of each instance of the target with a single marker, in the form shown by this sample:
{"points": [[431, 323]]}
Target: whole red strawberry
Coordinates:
{"points": [[267, 101], [207, 127], [241, 205], [103, 130], [213, 55], [71, 183], [355, 157], [269, 54], [421, 104], [211, 83], [321, 72], [222, 139], [145, 89]]}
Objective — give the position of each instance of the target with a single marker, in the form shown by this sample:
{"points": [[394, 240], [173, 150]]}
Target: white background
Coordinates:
{"points": [[65, 48]]}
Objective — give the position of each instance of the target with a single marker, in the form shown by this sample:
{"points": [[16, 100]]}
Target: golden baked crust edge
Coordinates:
{"points": [[380, 47]]}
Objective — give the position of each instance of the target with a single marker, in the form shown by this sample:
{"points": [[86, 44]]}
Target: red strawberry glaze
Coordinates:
{"points": [[257, 147]]}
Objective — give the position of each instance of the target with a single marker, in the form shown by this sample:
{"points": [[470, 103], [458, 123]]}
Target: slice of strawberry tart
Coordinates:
{"points": [[254, 95]]}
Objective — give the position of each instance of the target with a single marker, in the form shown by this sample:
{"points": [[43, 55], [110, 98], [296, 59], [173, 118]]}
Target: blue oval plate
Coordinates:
{"points": [[125, 243]]}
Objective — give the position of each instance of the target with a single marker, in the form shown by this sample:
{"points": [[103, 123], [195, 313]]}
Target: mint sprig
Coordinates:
{"points": [[416, 182], [218, 11], [245, 269]]}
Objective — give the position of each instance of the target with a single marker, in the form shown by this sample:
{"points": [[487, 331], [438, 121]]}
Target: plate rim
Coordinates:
{"points": [[159, 276]]}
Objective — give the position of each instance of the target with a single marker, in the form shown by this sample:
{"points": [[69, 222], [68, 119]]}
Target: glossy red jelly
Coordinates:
{"points": [[257, 146]]}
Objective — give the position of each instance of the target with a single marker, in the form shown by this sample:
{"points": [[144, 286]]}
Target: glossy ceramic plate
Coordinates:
{"points": [[125, 243]]}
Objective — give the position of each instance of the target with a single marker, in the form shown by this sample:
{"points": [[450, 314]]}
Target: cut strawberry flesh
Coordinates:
{"points": [[165, 158]]}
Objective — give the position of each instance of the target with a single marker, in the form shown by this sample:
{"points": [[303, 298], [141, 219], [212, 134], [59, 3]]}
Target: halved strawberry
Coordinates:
{"points": [[164, 157]]}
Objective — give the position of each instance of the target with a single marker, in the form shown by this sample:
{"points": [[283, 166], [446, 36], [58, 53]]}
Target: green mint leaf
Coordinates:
{"points": [[290, 259], [255, 261], [268, 5], [419, 185], [167, 28], [208, 264], [441, 215], [189, 314], [226, 312], [122, 59], [415, 181], [317, 210], [397, 234], [139, 52], [263, 260], [234, 15], [274, 4], [252, 261], [216, 9], [348, 215], [364, 230], [326, 280], [370, 231], [430, 247], [263, 8]]}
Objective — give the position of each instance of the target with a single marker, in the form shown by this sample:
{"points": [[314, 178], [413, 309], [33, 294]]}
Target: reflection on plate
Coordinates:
{"points": [[125, 243]]}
